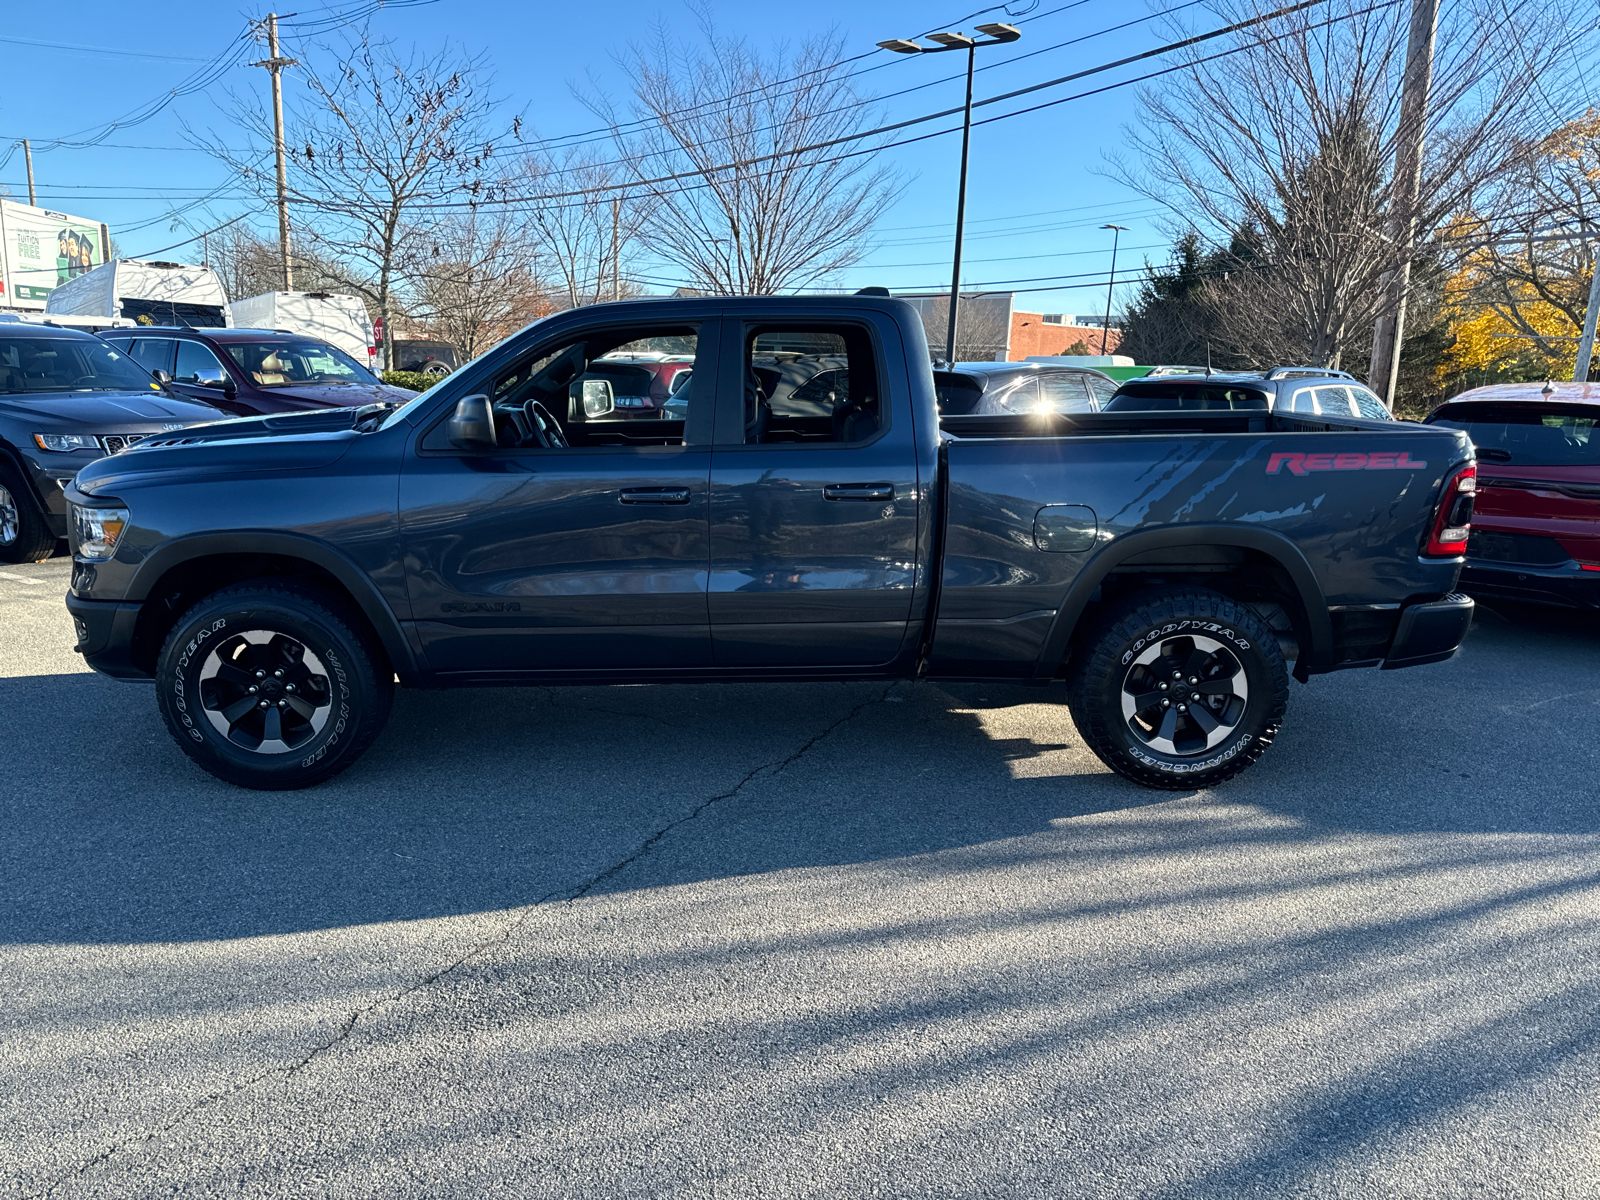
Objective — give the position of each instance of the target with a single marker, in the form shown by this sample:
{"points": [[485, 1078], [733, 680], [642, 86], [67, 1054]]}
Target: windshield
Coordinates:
{"points": [[282, 362], [1548, 436], [412, 406], [66, 364]]}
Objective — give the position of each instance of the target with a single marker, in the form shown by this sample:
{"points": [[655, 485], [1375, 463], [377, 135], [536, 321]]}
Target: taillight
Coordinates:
{"points": [[1453, 523]]}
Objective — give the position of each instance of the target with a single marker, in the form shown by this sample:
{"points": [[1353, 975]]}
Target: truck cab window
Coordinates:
{"points": [[810, 385], [609, 387]]}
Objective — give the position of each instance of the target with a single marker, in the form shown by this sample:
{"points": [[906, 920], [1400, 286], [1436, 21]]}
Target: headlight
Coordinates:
{"points": [[60, 443], [98, 530]]}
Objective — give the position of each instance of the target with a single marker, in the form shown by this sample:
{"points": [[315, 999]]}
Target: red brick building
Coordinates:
{"points": [[1056, 333]]}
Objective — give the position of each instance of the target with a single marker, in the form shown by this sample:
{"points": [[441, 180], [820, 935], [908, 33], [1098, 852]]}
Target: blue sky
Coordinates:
{"points": [[1037, 191]]}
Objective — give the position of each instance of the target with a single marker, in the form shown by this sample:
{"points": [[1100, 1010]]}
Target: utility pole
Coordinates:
{"points": [[1580, 371], [1105, 333], [275, 64], [616, 262], [1389, 332], [27, 154]]}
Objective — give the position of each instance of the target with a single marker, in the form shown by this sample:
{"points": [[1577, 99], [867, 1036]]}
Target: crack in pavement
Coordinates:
{"points": [[519, 917]]}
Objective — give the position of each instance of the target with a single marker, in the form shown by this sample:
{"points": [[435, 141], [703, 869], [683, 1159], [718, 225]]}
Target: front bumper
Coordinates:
{"points": [[1429, 632], [105, 635], [1568, 585]]}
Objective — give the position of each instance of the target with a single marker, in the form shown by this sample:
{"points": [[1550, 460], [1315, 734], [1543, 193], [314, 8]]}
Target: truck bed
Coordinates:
{"points": [[1044, 512]]}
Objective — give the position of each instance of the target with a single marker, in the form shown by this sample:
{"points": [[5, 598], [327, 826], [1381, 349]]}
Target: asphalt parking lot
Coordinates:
{"points": [[807, 941]]}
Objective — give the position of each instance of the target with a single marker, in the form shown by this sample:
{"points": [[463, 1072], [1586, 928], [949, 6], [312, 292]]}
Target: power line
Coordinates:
{"points": [[790, 152]]}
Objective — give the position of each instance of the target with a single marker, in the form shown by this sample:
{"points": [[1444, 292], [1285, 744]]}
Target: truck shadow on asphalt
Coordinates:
{"points": [[481, 800]]}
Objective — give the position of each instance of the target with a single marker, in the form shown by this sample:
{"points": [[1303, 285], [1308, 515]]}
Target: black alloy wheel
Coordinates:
{"points": [[265, 691], [1179, 688], [273, 685]]}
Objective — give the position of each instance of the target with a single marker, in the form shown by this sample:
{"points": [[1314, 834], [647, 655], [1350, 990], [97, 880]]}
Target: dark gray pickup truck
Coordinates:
{"points": [[277, 575]]}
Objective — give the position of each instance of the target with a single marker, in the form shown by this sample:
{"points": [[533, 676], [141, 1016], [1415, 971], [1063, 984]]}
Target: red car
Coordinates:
{"points": [[1536, 520]]}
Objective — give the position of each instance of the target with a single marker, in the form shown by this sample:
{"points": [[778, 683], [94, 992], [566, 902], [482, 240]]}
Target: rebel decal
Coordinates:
{"points": [[1304, 464]]}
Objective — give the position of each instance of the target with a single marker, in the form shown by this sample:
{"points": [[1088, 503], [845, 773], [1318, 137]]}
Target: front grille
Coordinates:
{"points": [[1526, 548], [113, 442]]}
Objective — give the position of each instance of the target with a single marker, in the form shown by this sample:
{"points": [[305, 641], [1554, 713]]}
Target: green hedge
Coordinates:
{"points": [[415, 380]]}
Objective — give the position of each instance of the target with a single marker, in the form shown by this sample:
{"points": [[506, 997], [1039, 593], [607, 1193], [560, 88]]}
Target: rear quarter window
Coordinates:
{"points": [[1187, 397], [1547, 436]]}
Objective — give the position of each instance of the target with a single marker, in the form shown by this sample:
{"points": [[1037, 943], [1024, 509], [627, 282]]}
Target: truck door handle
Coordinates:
{"points": [[858, 491], [655, 495]]}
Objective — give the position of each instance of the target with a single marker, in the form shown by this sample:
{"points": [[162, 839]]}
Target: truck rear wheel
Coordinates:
{"points": [[268, 685], [1179, 689]]}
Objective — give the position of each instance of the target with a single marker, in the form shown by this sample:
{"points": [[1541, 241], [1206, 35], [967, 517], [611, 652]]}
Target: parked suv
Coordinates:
{"points": [[1536, 522], [66, 399], [992, 389], [253, 372], [1303, 391]]}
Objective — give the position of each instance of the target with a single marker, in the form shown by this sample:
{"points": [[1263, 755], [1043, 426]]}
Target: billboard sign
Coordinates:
{"points": [[40, 250]]}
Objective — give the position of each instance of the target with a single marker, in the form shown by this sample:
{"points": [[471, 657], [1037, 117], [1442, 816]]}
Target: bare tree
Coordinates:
{"points": [[1523, 263], [584, 240], [248, 264], [1293, 139], [475, 279], [382, 142], [753, 216]]}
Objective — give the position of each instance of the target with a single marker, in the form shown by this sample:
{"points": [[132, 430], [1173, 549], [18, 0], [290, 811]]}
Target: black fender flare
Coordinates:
{"points": [[285, 545], [1319, 625]]}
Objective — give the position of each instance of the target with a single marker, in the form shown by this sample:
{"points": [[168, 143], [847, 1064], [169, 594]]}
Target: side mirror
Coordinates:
{"points": [[598, 398], [161, 377], [215, 377], [472, 426]]}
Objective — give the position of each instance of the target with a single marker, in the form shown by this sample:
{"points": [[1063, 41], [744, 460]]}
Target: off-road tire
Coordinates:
{"points": [[26, 538], [245, 630], [1102, 665]]}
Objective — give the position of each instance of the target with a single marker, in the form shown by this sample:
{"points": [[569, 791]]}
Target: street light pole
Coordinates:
{"points": [[997, 35], [1105, 331]]}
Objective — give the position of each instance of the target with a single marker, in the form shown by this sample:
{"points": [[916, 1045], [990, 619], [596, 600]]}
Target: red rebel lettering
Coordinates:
{"points": [[1351, 460]]}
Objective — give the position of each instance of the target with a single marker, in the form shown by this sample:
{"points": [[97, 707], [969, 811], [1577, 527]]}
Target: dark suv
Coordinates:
{"points": [[66, 399], [253, 372], [1304, 391]]}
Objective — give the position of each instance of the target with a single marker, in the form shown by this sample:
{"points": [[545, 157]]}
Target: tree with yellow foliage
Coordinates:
{"points": [[1520, 299]]}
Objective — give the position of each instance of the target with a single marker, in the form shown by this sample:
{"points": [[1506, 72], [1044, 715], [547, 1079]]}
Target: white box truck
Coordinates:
{"points": [[151, 293], [339, 320]]}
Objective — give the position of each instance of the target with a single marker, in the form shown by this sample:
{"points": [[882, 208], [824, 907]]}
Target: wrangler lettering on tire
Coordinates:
{"points": [[1180, 688]]}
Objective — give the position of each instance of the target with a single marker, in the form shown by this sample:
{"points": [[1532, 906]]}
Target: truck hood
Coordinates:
{"points": [[238, 447], [118, 412], [338, 395]]}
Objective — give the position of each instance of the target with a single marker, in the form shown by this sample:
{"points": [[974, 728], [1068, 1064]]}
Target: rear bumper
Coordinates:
{"points": [[105, 635], [1429, 632], [1568, 585]]}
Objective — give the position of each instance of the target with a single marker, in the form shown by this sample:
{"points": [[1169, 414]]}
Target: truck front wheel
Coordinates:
{"points": [[269, 685], [1180, 688]]}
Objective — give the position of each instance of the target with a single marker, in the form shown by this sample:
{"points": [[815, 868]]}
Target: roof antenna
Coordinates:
{"points": [[1547, 390], [1208, 358]]}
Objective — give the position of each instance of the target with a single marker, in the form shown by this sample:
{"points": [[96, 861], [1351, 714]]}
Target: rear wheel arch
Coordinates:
{"points": [[1306, 605], [183, 572]]}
